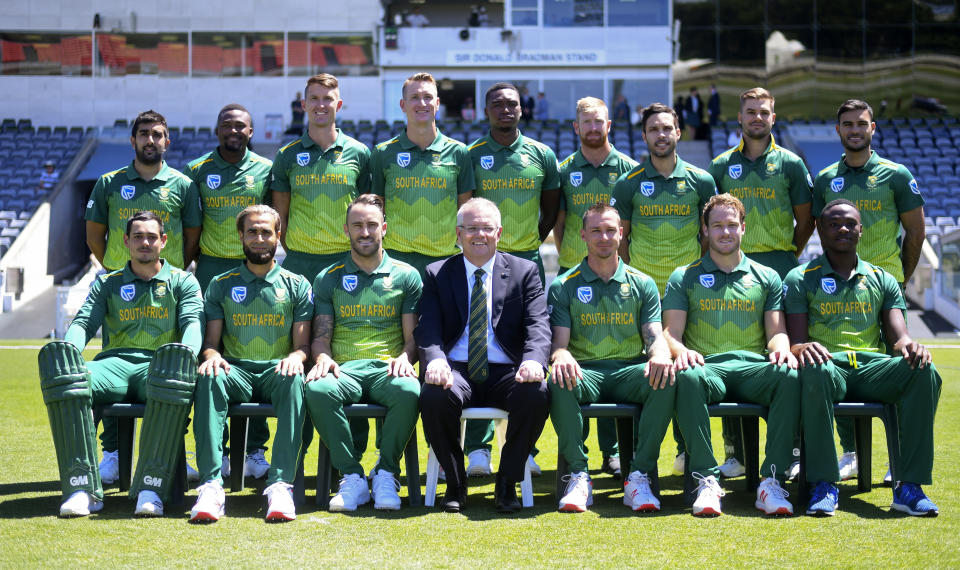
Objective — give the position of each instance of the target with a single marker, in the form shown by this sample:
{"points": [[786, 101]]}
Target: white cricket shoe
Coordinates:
{"points": [[353, 492], [385, 487], [148, 504], [772, 498], [535, 470], [110, 467], [280, 506], [848, 465], [637, 493], [255, 465], [732, 468], [479, 463], [679, 462], [80, 504], [579, 493], [708, 497], [209, 505]]}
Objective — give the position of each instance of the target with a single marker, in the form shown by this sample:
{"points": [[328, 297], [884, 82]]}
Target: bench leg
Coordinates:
{"points": [[324, 472], [750, 429], [412, 463], [562, 471], [126, 438], [180, 479], [433, 473], [238, 447], [863, 434], [891, 426], [801, 490]]}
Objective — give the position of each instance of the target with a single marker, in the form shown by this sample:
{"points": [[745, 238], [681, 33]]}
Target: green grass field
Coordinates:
{"points": [[863, 534]]}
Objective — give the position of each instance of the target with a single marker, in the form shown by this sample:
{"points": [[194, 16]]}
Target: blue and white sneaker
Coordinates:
{"points": [[823, 499], [909, 498]]}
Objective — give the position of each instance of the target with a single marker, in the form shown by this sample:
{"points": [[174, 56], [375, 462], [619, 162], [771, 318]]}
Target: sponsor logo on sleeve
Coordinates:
{"points": [[913, 186], [809, 180], [585, 294], [89, 204], [238, 294]]}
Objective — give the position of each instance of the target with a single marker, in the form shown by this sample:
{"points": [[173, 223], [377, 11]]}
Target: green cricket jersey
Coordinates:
{"points": [[881, 190], [120, 194], [724, 310], [583, 185], [420, 190], [769, 188], [512, 177], [258, 313], [321, 183], [604, 318], [140, 316], [225, 190], [843, 315], [664, 216], [367, 308]]}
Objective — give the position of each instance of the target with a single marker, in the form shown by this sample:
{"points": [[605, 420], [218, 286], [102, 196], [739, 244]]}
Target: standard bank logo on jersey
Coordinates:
{"points": [[829, 285], [735, 171], [127, 292], [127, 191], [486, 162], [349, 282], [707, 280], [576, 178], [403, 159], [913, 186], [213, 181], [836, 184], [646, 188], [238, 294], [785, 289], [303, 158], [585, 294]]}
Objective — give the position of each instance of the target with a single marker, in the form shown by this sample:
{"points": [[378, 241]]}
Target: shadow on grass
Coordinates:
{"points": [[29, 487]]}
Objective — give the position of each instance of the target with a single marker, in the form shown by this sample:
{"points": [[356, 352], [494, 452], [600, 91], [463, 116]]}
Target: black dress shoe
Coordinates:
{"points": [[454, 500], [505, 496]]}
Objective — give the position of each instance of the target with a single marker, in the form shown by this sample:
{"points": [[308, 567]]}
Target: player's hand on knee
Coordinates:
{"points": [[400, 366], [290, 366], [688, 359], [325, 365], [213, 365], [783, 357], [565, 370], [439, 374], [529, 372], [659, 370], [812, 353], [916, 354]]}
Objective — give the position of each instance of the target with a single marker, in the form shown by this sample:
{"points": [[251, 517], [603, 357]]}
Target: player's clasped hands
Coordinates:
{"points": [[565, 370]]}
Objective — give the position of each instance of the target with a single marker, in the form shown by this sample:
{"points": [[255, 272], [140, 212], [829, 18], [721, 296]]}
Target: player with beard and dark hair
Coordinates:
{"points": [[261, 314]]}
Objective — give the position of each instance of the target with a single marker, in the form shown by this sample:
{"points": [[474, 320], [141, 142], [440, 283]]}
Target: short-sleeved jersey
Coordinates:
{"points": [[664, 216], [120, 194], [583, 185], [367, 308], [512, 177], [321, 183], [420, 190], [843, 315], [724, 310], [225, 190], [769, 188], [604, 319], [258, 313], [138, 315], [881, 190]]}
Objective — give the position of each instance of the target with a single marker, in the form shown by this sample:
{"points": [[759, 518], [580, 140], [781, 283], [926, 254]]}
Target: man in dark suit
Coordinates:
{"points": [[484, 338]]}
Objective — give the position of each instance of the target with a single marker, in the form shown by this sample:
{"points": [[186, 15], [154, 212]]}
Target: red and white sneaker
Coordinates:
{"points": [[637, 493], [708, 497], [209, 505], [772, 498], [579, 493], [280, 502]]}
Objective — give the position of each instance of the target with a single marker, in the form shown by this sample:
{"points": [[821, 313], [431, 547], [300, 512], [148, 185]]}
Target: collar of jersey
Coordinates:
{"points": [[773, 145], [406, 143], [242, 165], [868, 165], [272, 276], [620, 275], [349, 266], [495, 146], [308, 142], [679, 171], [163, 175], [162, 275], [827, 269], [580, 160], [710, 267]]}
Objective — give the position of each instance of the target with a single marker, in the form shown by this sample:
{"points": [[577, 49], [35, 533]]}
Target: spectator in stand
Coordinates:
{"points": [[467, 112], [296, 112], [621, 109], [541, 111], [48, 178], [417, 20]]}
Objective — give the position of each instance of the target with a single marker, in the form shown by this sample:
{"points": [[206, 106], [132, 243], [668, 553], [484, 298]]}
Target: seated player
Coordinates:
{"points": [[723, 317], [261, 314], [365, 310], [837, 307], [145, 309], [603, 311]]}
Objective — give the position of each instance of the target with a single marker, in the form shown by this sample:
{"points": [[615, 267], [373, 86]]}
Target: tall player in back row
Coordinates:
{"points": [[424, 176]]}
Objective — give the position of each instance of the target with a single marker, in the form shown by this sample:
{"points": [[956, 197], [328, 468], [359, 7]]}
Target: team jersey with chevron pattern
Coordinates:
{"points": [[140, 316], [769, 188], [664, 216], [258, 313], [225, 190], [321, 183], [882, 190], [604, 318], [583, 185], [367, 308], [512, 177], [420, 190], [724, 310], [843, 315], [120, 194]]}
